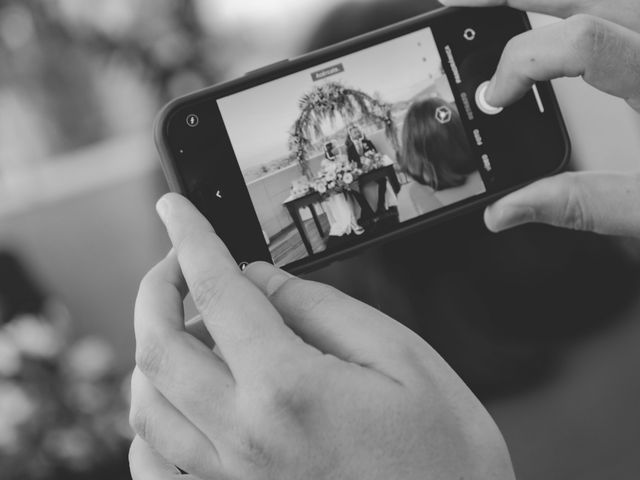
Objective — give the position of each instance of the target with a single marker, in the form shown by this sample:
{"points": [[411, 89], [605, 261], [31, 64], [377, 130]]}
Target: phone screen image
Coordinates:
{"points": [[353, 147]]}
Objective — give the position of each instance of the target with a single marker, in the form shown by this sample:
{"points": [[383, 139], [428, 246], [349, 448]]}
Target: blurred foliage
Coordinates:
{"points": [[68, 65], [62, 403]]}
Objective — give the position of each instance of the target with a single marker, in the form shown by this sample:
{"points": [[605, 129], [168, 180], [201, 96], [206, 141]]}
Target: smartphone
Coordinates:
{"points": [[312, 159]]}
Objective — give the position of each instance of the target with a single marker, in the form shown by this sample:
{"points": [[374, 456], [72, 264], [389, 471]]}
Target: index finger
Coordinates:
{"points": [[243, 323], [557, 8], [623, 12], [337, 324], [605, 54]]}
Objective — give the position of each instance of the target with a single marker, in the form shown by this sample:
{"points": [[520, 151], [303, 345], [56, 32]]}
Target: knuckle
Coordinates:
{"points": [[145, 290], [516, 50], [136, 458], [272, 402], [310, 296], [186, 241], [254, 450], [133, 454], [575, 214], [409, 353], [139, 421], [147, 280], [518, 56], [511, 47], [283, 395], [282, 391], [150, 356], [586, 33], [208, 289], [276, 392], [415, 365], [511, 51]]}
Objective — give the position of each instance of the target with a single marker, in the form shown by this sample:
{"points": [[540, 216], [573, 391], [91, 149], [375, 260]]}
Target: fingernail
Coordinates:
{"points": [[279, 278], [266, 277], [162, 207], [489, 93], [510, 217]]}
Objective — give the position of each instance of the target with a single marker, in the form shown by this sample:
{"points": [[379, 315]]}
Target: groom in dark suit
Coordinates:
{"points": [[357, 146]]}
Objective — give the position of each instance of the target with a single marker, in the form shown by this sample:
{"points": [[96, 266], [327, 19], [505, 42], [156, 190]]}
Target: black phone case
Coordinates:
{"points": [[170, 167]]}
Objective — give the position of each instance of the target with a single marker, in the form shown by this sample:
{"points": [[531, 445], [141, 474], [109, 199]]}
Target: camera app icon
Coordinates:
{"points": [[443, 115]]}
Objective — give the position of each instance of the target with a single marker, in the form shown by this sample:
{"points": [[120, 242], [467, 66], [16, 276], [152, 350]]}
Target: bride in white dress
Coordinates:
{"points": [[341, 208]]}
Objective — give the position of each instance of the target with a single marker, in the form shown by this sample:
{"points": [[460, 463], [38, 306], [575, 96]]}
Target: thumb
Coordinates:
{"points": [[607, 203], [333, 322]]}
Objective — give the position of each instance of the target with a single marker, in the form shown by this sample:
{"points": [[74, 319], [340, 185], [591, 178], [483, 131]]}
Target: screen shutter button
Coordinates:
{"points": [[481, 101]]}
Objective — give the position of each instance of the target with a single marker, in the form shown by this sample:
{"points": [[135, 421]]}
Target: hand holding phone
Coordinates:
{"points": [[599, 41], [308, 384]]}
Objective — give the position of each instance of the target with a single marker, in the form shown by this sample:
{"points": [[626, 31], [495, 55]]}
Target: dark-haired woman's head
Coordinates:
{"points": [[435, 150]]}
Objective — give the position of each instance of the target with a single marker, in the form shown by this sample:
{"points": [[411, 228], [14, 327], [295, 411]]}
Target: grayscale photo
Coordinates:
{"points": [[319, 240]]}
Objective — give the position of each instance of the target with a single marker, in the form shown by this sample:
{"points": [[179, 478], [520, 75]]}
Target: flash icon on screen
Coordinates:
{"points": [[193, 120]]}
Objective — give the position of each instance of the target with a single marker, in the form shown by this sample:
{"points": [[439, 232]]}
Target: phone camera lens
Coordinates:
{"points": [[469, 35]]}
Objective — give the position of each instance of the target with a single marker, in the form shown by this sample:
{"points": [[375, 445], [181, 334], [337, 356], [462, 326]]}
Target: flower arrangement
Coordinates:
{"points": [[300, 187], [372, 161], [336, 177], [62, 403], [331, 101]]}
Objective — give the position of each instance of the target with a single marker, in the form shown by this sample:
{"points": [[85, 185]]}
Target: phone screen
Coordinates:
{"points": [[367, 143], [351, 147]]}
